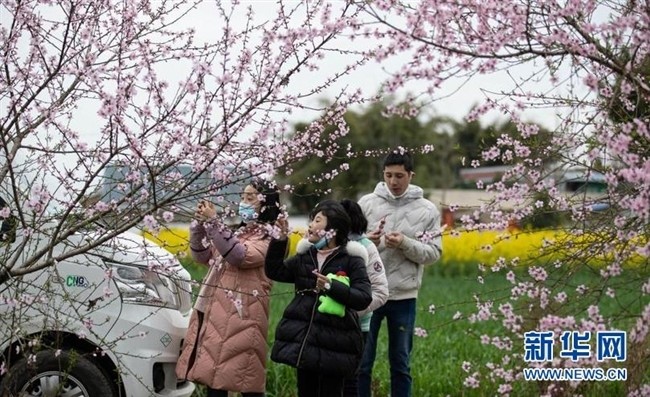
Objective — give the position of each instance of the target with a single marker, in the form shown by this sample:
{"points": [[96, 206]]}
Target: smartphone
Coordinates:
{"points": [[382, 222]]}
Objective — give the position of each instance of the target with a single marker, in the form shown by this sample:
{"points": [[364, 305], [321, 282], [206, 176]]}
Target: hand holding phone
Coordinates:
{"points": [[382, 223], [375, 235]]}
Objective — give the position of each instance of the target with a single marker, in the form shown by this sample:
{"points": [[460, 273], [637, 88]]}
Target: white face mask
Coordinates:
{"points": [[394, 196]]}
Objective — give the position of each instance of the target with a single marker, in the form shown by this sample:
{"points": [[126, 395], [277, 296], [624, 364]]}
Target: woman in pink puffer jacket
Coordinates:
{"points": [[225, 347]]}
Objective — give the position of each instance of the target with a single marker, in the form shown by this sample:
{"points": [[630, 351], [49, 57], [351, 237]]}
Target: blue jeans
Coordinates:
{"points": [[400, 317]]}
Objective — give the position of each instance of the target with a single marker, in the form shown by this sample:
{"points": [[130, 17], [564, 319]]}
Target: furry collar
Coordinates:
{"points": [[352, 247]]}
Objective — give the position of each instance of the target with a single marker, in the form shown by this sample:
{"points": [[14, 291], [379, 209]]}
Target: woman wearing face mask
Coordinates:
{"points": [[324, 345], [225, 346]]}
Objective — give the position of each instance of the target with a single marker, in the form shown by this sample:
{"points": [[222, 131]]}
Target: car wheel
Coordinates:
{"points": [[65, 374]]}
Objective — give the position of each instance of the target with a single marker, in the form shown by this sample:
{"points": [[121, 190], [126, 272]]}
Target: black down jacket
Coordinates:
{"points": [[306, 338]]}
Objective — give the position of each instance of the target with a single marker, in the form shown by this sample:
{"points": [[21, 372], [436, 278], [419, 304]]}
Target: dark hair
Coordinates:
{"points": [[7, 225], [358, 221], [270, 208], [399, 157], [337, 219]]}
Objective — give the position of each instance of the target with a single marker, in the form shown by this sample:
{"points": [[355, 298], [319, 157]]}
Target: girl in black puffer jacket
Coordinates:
{"points": [[325, 348]]}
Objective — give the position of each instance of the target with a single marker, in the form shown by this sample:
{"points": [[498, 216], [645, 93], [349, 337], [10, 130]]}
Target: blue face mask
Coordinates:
{"points": [[320, 243], [246, 212]]}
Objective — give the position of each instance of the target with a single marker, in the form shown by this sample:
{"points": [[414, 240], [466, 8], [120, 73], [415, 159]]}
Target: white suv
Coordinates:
{"points": [[106, 322]]}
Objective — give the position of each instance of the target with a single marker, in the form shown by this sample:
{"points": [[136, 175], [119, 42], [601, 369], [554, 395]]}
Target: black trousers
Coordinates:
{"points": [[315, 384], [351, 386]]}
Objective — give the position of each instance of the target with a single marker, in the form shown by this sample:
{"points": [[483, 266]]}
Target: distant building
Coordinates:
{"points": [[575, 183], [118, 181], [483, 174]]}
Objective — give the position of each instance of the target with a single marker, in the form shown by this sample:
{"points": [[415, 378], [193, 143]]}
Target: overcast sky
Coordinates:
{"points": [[465, 95]]}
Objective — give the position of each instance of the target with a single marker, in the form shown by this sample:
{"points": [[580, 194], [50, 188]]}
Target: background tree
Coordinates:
{"points": [[473, 139], [370, 133], [376, 127]]}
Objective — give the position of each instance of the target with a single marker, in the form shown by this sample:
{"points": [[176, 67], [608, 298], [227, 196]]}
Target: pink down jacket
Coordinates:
{"points": [[226, 347]]}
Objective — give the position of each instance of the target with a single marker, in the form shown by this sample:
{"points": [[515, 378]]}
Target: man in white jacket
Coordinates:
{"points": [[406, 229]]}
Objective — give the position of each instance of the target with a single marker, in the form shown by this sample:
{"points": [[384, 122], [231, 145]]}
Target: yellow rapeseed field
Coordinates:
{"points": [[462, 248], [176, 239], [459, 247], [487, 247]]}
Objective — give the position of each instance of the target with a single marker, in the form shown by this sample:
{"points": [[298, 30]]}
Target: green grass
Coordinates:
{"points": [[437, 358]]}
